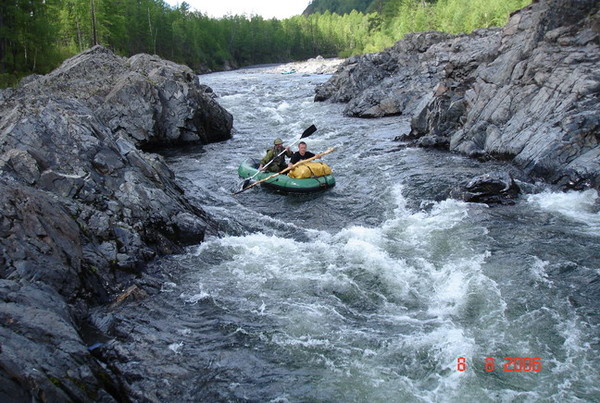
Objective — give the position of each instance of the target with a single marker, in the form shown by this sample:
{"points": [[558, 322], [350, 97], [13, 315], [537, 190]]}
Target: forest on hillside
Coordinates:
{"points": [[36, 36], [341, 6]]}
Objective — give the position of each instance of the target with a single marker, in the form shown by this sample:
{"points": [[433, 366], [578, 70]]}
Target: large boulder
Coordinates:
{"points": [[82, 207], [151, 101], [537, 102], [490, 188]]}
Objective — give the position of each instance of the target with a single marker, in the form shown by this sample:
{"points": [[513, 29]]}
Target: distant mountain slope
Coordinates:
{"points": [[341, 6]]}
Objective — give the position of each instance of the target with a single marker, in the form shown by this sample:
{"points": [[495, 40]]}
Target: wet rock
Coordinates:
{"points": [[189, 227], [535, 101], [160, 102], [527, 93], [440, 142], [29, 314], [491, 188], [151, 101], [82, 207], [107, 161], [21, 164], [395, 81], [40, 240]]}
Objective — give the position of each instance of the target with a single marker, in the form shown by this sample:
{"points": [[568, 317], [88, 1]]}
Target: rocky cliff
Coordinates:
{"points": [[528, 92], [82, 207]]}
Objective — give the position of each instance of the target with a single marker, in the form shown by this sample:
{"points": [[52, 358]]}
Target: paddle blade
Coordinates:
{"points": [[310, 130]]}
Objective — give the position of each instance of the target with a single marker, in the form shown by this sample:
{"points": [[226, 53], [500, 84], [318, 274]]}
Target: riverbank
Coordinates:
{"points": [[316, 65], [83, 207], [526, 93]]}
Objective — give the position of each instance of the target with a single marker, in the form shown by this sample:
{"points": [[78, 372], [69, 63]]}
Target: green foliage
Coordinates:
{"points": [[27, 38], [337, 6], [35, 35], [9, 79], [453, 16]]}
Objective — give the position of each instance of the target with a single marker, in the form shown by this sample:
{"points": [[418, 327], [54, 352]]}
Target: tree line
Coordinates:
{"points": [[340, 6], [37, 35]]}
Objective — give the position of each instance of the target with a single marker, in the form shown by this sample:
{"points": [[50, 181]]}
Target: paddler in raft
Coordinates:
{"points": [[301, 154], [274, 159], [308, 170]]}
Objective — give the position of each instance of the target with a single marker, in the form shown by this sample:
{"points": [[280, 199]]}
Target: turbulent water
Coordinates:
{"points": [[371, 291]]}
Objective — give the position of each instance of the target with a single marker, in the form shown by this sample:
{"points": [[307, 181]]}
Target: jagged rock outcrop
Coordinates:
{"points": [[527, 93], [42, 356], [82, 207], [397, 80], [537, 102], [144, 98]]}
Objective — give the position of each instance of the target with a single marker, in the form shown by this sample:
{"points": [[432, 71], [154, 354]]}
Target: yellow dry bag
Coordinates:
{"points": [[310, 170]]}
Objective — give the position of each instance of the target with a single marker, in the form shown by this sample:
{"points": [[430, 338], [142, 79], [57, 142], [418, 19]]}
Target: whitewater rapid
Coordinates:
{"points": [[379, 289]]}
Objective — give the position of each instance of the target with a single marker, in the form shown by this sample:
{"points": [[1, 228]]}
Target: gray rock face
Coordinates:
{"points": [[527, 93], [537, 102], [82, 207], [58, 369], [397, 80], [150, 101]]}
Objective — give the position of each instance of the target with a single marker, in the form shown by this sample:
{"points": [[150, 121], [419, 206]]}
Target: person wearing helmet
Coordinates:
{"points": [[277, 155]]}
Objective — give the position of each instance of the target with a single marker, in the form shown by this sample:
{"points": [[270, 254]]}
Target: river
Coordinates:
{"points": [[378, 290]]}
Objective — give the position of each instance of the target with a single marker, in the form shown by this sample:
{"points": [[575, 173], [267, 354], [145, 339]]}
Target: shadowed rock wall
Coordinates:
{"points": [[82, 207]]}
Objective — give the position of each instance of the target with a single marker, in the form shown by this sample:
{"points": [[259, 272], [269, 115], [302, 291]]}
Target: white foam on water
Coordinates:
{"points": [[538, 271], [446, 345], [576, 365], [184, 332], [303, 341], [431, 235], [271, 115], [175, 347], [453, 284], [580, 207], [284, 106], [329, 295], [382, 313], [195, 297], [445, 215]]}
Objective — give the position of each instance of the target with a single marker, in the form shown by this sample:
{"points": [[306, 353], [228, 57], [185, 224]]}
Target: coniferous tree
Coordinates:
{"points": [[36, 35]]}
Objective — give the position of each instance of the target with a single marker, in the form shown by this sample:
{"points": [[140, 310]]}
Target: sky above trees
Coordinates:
{"points": [[279, 9]]}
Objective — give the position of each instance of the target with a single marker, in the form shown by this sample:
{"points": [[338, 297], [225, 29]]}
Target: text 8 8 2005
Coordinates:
{"points": [[510, 364]]}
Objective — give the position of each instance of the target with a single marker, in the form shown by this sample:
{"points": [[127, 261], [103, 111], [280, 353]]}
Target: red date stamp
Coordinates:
{"points": [[510, 364]]}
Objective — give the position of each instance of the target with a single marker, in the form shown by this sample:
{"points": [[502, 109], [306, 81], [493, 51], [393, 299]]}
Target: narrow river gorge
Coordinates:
{"points": [[372, 290]]}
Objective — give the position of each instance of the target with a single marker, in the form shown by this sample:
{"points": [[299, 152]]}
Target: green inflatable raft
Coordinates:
{"points": [[284, 183]]}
